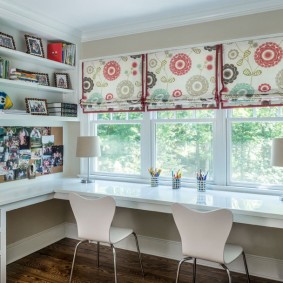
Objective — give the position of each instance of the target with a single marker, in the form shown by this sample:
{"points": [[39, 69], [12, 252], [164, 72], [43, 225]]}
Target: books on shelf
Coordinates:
{"points": [[4, 68], [62, 52], [63, 109], [22, 75]]}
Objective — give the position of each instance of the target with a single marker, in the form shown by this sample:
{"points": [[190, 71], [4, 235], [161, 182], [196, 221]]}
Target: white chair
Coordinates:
{"points": [[94, 218], [204, 236]]}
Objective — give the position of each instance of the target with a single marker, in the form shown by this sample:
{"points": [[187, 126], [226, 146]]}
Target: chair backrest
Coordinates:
{"points": [[93, 216], [203, 234]]}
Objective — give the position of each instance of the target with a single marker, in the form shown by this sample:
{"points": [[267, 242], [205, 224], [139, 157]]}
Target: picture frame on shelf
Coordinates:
{"points": [[7, 41], [43, 79], [34, 45], [62, 80], [36, 106]]}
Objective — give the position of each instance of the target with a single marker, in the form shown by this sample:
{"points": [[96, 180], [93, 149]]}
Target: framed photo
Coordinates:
{"points": [[43, 79], [62, 80], [7, 41], [36, 106], [34, 45]]}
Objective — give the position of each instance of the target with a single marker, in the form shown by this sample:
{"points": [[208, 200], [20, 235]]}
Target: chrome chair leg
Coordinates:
{"points": [[115, 267], [74, 258], [138, 249], [179, 267], [194, 270], [98, 245], [228, 272], [246, 267]]}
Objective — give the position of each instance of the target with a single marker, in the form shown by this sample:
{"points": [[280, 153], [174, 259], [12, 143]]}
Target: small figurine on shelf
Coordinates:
{"points": [[5, 101]]}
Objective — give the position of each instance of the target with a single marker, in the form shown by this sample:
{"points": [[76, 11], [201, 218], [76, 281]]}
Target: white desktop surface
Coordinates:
{"points": [[254, 209], [257, 209]]}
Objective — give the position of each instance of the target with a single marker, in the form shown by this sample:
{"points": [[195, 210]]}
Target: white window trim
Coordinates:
{"points": [[221, 145]]}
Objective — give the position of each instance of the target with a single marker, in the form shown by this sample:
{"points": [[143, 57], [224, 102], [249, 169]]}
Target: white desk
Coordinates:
{"points": [[264, 210], [254, 209]]}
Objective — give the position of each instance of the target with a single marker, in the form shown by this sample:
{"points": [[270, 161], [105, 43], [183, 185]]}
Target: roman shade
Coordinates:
{"points": [[114, 84], [182, 79], [252, 73]]}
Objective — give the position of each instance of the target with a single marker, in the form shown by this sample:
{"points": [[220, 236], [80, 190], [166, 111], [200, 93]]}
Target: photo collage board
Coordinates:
{"points": [[26, 152]]}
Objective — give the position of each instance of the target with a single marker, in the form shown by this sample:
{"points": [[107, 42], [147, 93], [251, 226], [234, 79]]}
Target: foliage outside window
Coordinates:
{"points": [[252, 131], [190, 140]]}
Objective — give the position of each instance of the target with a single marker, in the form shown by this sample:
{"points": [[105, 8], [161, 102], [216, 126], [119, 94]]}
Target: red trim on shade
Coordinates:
{"points": [[221, 72], [82, 83], [144, 76], [216, 96]]}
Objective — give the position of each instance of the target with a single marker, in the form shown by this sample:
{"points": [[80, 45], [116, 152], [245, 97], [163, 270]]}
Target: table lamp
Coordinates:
{"points": [[277, 154], [88, 146]]}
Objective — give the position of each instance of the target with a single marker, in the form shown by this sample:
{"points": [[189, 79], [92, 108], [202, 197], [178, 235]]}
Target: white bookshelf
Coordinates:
{"points": [[33, 86], [25, 57], [34, 118]]}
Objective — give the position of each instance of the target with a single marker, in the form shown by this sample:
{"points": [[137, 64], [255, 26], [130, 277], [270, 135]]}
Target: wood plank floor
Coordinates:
{"points": [[53, 263]]}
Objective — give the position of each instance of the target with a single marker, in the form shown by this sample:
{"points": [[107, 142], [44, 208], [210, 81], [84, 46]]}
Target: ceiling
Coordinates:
{"points": [[96, 19]]}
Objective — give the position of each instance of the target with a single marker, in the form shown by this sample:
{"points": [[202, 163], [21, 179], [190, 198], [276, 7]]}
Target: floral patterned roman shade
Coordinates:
{"points": [[182, 79], [113, 85], [252, 73]]}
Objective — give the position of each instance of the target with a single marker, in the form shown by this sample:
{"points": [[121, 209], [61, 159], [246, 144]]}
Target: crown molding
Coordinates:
{"points": [[30, 22], [214, 14]]}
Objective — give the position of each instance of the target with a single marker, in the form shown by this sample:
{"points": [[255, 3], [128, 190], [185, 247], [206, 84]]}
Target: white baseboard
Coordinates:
{"points": [[258, 266], [35, 242]]}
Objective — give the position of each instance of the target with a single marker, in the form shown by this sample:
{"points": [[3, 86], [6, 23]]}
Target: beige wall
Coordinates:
{"points": [[218, 31], [30, 220], [256, 240]]}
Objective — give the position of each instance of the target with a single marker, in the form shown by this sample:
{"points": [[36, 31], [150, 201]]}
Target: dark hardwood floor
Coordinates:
{"points": [[53, 263]]}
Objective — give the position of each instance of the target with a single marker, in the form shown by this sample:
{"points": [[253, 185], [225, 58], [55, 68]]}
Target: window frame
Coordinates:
{"points": [[221, 128], [230, 121]]}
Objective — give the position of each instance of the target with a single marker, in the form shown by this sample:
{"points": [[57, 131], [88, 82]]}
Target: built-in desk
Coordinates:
{"points": [[254, 209]]}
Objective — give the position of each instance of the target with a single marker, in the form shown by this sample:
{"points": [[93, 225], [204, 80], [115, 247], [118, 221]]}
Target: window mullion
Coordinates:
{"points": [[220, 145], [146, 144]]}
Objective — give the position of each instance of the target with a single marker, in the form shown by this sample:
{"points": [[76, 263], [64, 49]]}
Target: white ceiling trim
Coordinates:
{"points": [[30, 21], [179, 21]]}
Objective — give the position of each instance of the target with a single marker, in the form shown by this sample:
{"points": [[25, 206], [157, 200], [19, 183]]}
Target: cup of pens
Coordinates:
{"points": [[176, 180], [201, 181], [154, 179]]}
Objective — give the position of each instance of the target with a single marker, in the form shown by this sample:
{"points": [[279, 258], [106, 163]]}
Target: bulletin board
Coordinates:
{"points": [[29, 152]]}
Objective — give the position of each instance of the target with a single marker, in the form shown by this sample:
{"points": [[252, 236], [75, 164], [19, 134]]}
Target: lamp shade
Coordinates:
{"points": [[88, 146], [277, 152]]}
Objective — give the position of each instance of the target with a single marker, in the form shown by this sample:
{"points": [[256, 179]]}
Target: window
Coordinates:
{"points": [[184, 140], [233, 146], [251, 132], [120, 135]]}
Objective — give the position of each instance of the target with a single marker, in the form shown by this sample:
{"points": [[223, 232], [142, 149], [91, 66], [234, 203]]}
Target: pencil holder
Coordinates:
{"points": [[176, 183], [154, 182], [201, 185]]}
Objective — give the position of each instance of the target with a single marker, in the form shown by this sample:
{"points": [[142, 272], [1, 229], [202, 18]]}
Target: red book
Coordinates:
{"points": [[54, 51]]}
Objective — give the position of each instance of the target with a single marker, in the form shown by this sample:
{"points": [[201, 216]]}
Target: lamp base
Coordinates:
{"points": [[86, 181]]}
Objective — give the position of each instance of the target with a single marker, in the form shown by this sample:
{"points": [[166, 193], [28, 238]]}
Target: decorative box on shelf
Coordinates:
{"points": [[62, 52]]}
